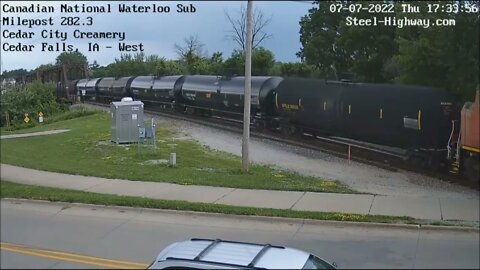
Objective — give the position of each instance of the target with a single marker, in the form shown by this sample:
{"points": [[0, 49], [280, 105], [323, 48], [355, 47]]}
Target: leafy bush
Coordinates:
{"points": [[73, 113], [34, 98]]}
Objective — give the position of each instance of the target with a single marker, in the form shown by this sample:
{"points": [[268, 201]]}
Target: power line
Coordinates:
{"points": [[302, 2]]}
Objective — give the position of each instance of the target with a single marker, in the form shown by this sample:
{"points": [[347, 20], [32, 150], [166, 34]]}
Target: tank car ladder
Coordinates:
{"points": [[453, 150]]}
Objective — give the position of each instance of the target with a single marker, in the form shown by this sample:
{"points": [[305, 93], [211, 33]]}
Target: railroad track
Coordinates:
{"points": [[350, 150]]}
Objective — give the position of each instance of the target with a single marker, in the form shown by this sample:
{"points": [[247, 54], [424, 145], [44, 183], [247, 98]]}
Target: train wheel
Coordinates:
{"points": [[409, 155], [260, 124], [416, 158], [188, 110], [288, 130], [433, 163]]}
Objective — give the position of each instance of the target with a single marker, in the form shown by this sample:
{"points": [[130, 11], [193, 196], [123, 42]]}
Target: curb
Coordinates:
{"points": [[301, 221]]}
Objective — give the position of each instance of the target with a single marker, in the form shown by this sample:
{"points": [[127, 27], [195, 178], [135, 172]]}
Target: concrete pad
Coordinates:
{"points": [[168, 191], [421, 208], [261, 198], [460, 209], [334, 202]]}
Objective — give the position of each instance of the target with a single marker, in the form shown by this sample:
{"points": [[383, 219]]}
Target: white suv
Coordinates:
{"points": [[220, 254]]}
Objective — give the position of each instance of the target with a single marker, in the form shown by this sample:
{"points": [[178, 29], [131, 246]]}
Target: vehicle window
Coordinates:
{"points": [[314, 262]]}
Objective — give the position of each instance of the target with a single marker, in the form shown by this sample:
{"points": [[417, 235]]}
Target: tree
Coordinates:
{"points": [[334, 47], [44, 67], [138, 65], [235, 65], [296, 70], [319, 31], [16, 73], [215, 64], [94, 68], [74, 62], [445, 57], [192, 46], [169, 67], [370, 48], [191, 54], [198, 65], [262, 62], [95, 65], [150, 64], [239, 28], [438, 56], [276, 70], [70, 58]]}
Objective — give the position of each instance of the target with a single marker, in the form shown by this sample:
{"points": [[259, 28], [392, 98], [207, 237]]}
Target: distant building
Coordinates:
{"points": [[6, 83]]}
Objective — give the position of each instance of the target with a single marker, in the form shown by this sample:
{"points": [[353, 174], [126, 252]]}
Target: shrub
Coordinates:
{"points": [[34, 98]]}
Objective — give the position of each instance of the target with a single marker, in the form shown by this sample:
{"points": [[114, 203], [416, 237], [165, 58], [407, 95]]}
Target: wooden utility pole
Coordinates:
{"points": [[86, 74], [248, 91], [64, 79]]}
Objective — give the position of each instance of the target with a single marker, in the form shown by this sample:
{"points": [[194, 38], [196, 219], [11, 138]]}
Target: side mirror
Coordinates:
{"points": [[335, 264]]}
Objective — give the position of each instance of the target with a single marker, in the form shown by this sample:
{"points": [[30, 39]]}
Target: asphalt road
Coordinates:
{"points": [[47, 235]]}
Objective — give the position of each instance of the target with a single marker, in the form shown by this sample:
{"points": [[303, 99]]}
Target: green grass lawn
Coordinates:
{"points": [[86, 150]]}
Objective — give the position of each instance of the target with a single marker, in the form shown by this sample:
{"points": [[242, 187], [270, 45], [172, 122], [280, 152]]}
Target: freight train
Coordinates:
{"points": [[423, 121]]}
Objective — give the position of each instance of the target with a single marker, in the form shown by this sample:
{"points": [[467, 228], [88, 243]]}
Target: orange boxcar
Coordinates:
{"points": [[470, 121]]}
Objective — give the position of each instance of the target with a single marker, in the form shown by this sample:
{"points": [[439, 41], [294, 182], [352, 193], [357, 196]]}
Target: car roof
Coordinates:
{"points": [[235, 254]]}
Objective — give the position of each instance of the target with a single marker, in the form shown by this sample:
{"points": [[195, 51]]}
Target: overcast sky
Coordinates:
{"points": [[158, 32]]}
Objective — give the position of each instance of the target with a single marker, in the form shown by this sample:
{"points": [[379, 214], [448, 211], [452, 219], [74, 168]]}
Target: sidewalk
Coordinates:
{"points": [[462, 209], [40, 133]]}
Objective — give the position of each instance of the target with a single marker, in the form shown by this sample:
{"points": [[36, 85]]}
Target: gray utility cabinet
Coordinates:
{"points": [[127, 117]]}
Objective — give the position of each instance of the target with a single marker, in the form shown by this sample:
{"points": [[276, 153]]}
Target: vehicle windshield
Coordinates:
{"points": [[314, 262]]}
